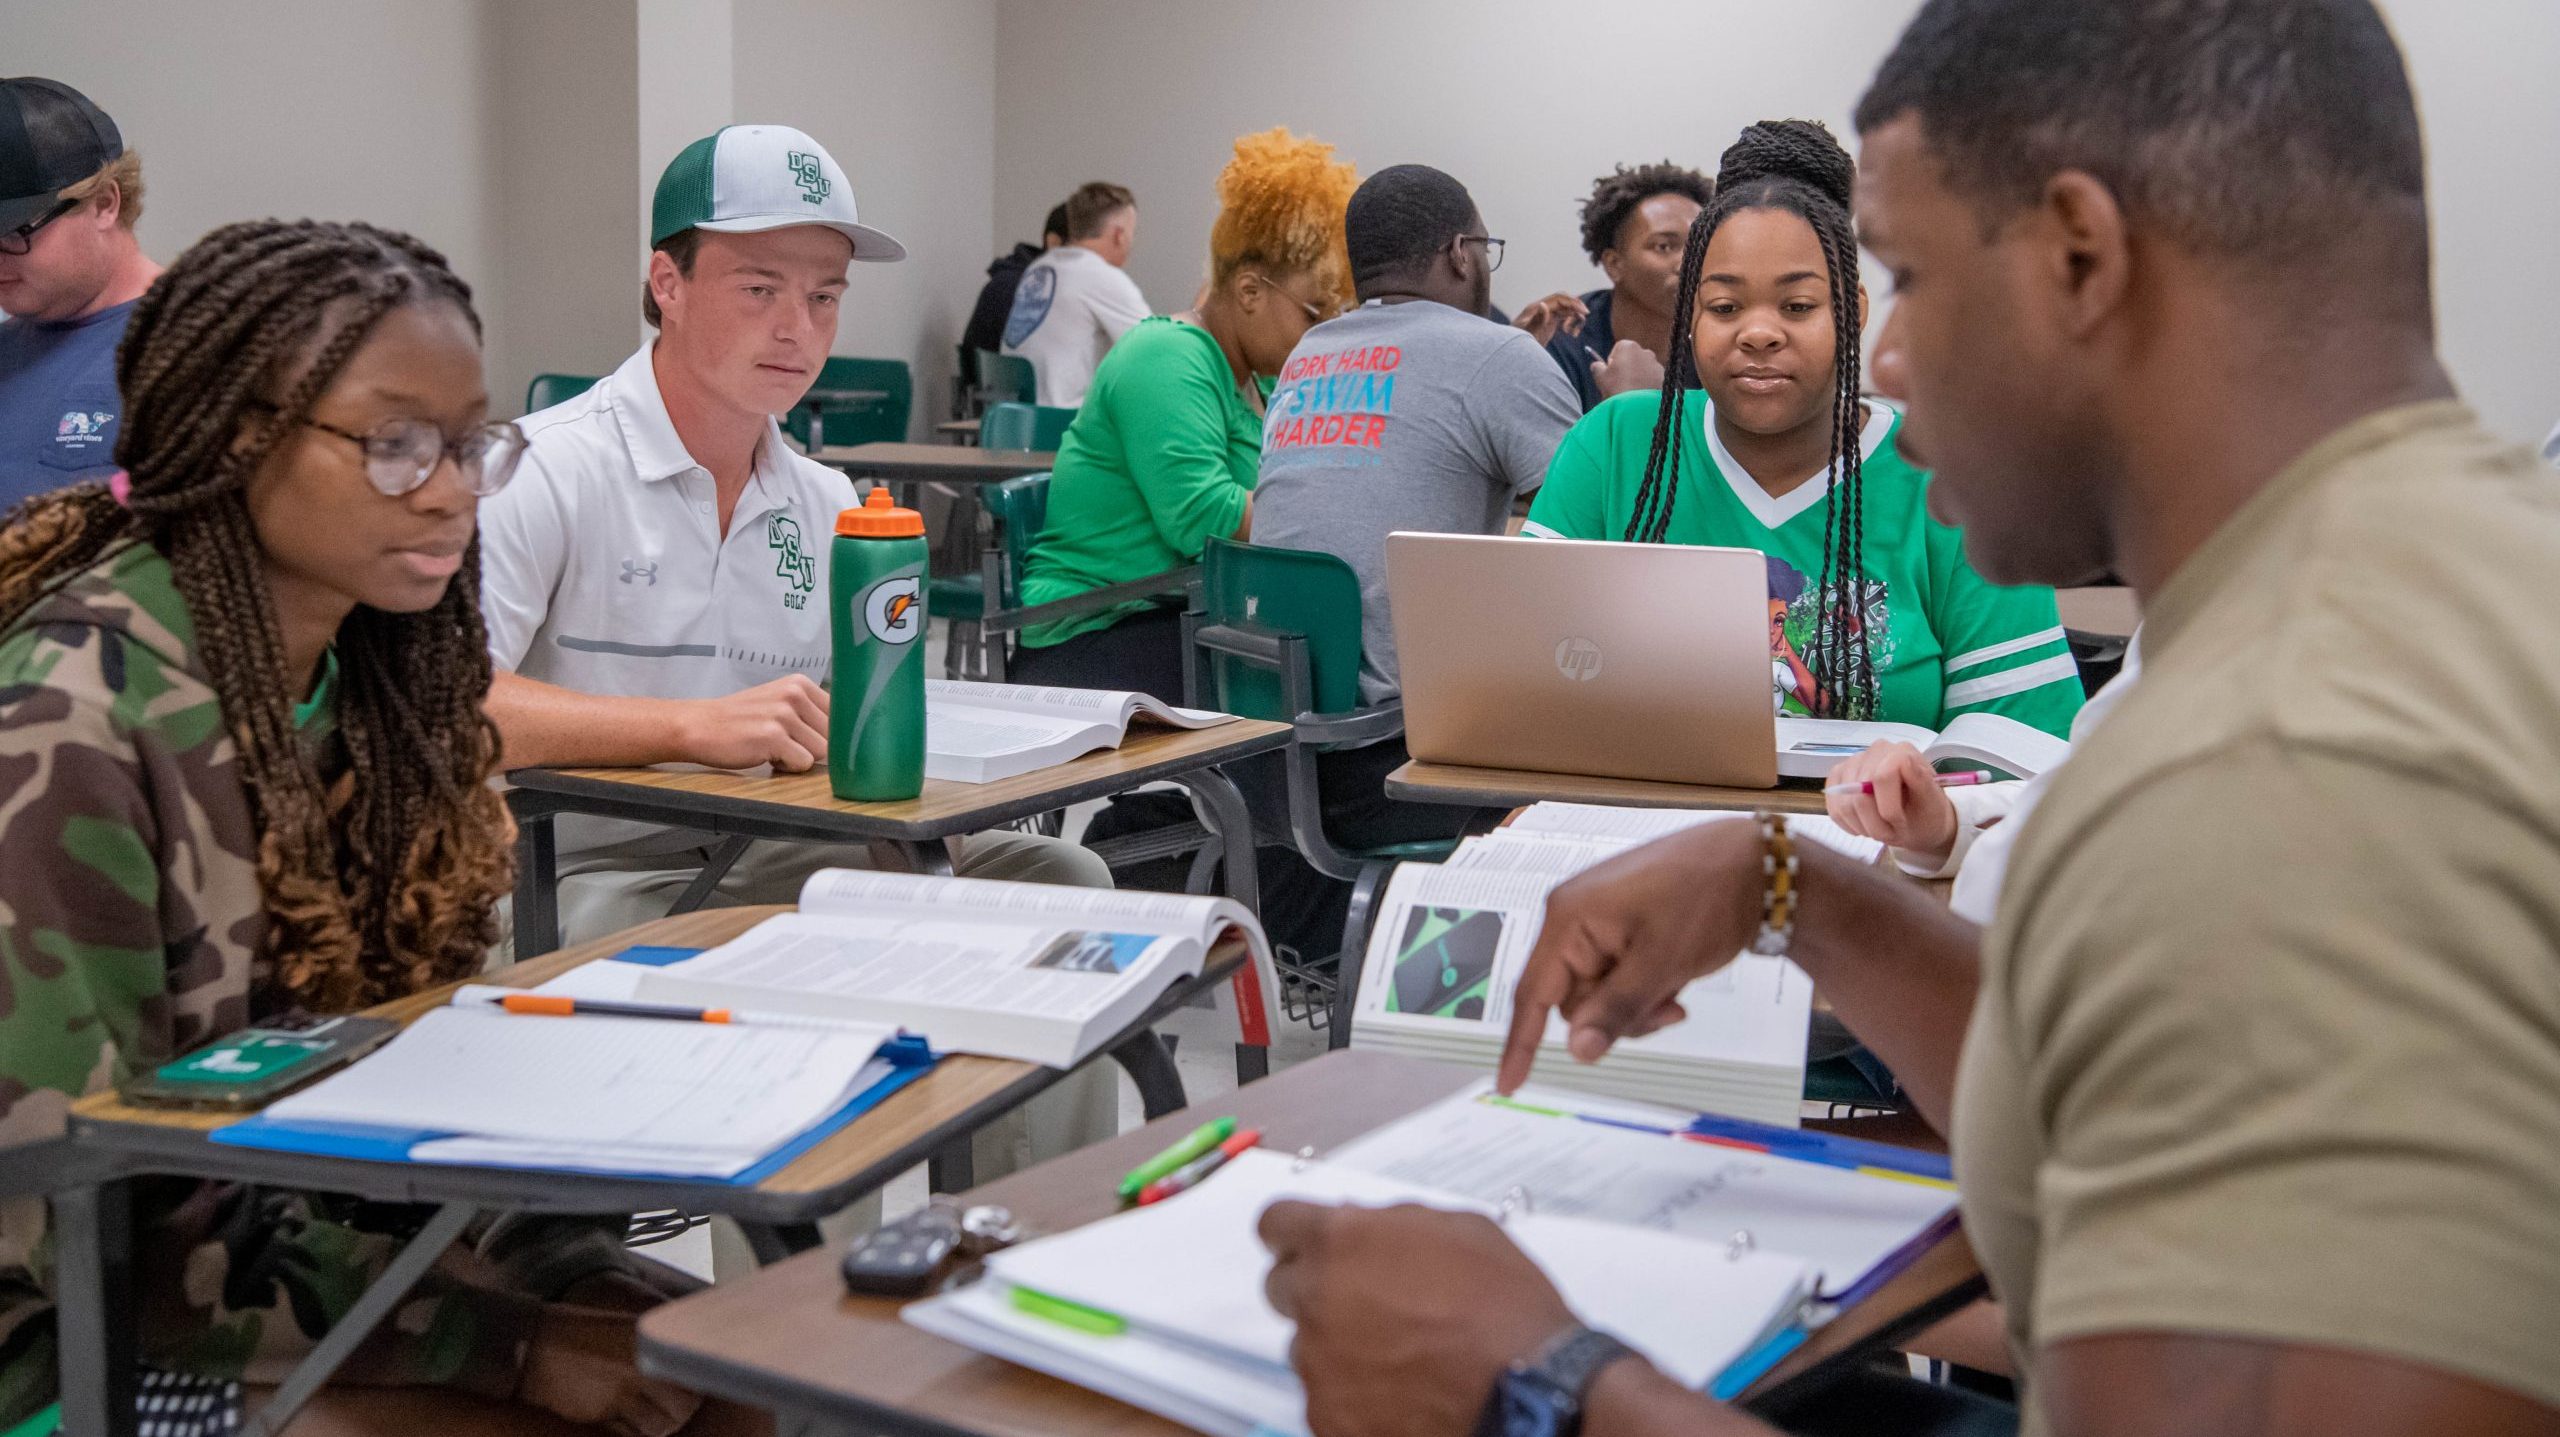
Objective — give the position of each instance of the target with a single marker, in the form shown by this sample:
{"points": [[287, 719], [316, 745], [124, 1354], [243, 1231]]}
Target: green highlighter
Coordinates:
{"points": [[1204, 1137], [1068, 1314]]}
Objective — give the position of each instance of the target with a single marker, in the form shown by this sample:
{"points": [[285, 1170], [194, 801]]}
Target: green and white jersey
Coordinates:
{"points": [[1944, 640]]}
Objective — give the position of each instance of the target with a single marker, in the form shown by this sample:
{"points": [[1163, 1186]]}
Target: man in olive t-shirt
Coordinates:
{"points": [[2257, 1119]]}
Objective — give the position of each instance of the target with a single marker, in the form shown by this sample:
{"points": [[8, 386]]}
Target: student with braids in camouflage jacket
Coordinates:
{"points": [[243, 771], [1762, 440]]}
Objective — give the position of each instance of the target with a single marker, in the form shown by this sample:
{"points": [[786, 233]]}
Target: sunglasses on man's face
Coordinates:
{"points": [[23, 238]]}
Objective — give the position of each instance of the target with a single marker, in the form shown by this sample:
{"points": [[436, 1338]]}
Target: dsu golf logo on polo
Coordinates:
{"points": [[1578, 660], [809, 177], [791, 561], [893, 609]]}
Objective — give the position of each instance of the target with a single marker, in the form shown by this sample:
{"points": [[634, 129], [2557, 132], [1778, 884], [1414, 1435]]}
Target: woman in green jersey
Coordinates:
{"points": [[1762, 441]]}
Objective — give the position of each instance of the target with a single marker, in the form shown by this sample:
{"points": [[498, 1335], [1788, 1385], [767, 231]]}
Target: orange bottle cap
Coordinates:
{"points": [[878, 518]]}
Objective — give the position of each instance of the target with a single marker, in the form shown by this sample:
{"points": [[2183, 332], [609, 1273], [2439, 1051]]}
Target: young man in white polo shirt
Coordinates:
{"points": [[654, 580], [1076, 301]]}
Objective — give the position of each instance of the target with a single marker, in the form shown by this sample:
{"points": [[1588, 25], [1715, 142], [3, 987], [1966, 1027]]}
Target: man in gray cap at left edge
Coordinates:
{"points": [[70, 272]]}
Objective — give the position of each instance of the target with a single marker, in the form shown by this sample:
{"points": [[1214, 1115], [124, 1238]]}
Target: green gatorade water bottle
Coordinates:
{"points": [[875, 709]]}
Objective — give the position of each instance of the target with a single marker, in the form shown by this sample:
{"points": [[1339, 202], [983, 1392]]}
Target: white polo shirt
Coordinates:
{"points": [[603, 568], [1072, 306]]}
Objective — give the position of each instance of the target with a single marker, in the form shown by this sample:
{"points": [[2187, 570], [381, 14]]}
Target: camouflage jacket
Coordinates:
{"points": [[130, 932]]}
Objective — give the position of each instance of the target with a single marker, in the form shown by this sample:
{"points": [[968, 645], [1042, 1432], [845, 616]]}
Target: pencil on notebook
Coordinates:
{"points": [[1966, 779]]}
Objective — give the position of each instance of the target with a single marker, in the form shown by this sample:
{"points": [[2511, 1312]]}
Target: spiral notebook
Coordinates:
{"points": [[1705, 1250]]}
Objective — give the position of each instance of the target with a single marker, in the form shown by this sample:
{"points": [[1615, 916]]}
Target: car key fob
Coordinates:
{"points": [[900, 1259]]}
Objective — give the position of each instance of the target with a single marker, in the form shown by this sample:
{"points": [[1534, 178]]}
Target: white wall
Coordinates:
{"points": [[1502, 94], [1508, 95], [902, 93], [563, 295], [327, 109], [2482, 70]]}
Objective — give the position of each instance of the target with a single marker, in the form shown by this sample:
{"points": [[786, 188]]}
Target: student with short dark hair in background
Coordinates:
{"points": [[1635, 227]]}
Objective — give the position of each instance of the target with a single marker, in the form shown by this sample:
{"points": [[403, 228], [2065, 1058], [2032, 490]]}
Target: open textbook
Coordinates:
{"points": [[1032, 971], [1641, 1225], [1807, 748], [1450, 940], [978, 733]]}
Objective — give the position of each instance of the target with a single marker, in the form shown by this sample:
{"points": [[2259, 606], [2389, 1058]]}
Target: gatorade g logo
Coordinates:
{"points": [[806, 174], [791, 561], [893, 609], [1578, 660]]}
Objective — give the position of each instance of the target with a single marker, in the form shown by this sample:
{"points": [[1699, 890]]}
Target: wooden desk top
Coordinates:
{"points": [[1513, 788], [961, 1093], [791, 1339], [968, 427], [950, 463], [803, 801]]}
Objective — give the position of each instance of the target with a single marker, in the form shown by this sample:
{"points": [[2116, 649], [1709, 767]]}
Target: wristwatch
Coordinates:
{"points": [[1541, 1395]]}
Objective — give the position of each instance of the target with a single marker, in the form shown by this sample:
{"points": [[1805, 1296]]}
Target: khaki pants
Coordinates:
{"points": [[605, 892]]}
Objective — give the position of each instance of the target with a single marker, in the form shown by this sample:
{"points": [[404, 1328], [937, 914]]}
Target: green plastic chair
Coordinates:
{"points": [[1006, 379], [981, 633], [549, 389], [820, 421], [1274, 634], [1024, 426], [1018, 508]]}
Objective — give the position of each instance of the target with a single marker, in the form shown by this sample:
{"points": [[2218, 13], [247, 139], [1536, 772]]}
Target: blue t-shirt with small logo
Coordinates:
{"points": [[58, 403]]}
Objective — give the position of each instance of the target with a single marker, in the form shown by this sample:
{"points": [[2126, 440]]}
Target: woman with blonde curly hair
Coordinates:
{"points": [[244, 772], [1163, 452]]}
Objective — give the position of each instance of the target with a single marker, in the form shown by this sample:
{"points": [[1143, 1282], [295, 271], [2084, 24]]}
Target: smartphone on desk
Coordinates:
{"points": [[253, 1067]]}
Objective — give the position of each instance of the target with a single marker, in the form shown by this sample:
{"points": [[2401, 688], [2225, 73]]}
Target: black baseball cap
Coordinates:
{"points": [[51, 138]]}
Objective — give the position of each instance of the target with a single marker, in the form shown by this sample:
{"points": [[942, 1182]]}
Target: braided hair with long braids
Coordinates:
{"points": [[386, 880], [1796, 166]]}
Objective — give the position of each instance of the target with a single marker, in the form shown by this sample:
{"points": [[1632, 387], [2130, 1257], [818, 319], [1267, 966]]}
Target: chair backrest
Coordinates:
{"points": [[1023, 426], [867, 422], [1293, 591], [1007, 377], [549, 389], [1019, 507]]}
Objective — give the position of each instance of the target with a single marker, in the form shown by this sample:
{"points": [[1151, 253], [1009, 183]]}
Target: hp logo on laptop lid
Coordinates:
{"points": [[1578, 660]]}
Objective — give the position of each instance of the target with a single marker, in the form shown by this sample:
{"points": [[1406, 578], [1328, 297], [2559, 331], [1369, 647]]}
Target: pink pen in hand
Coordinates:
{"points": [[1966, 779]]}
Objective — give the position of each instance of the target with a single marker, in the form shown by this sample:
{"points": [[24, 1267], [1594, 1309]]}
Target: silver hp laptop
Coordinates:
{"points": [[1646, 661]]}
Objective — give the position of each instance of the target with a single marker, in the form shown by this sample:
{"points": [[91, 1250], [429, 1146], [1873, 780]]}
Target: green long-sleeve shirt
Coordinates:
{"points": [[1160, 459]]}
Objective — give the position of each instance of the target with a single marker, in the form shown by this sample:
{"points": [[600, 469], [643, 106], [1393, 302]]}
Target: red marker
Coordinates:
{"points": [[1183, 1178]]}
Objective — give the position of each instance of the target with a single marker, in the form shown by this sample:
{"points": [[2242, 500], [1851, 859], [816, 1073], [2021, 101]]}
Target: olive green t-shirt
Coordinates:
{"points": [[1161, 458], [2268, 1039]]}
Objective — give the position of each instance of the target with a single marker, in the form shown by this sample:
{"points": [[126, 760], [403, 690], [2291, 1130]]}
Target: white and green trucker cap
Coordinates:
{"points": [[749, 178]]}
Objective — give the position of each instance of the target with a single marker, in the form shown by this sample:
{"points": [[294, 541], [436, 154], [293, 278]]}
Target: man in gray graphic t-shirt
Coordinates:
{"points": [[1414, 411]]}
